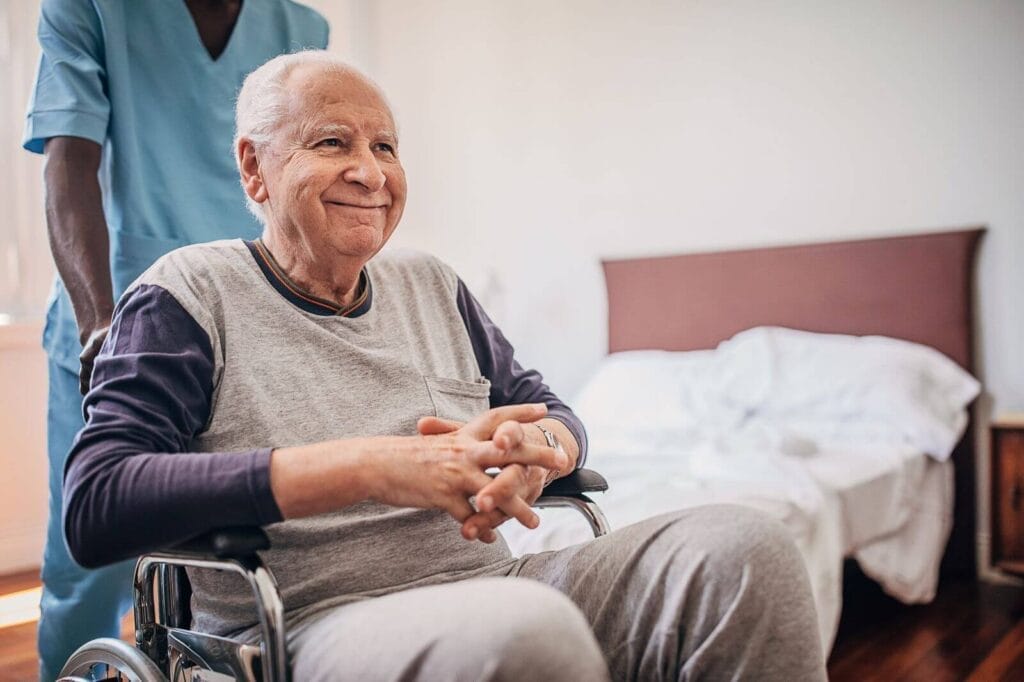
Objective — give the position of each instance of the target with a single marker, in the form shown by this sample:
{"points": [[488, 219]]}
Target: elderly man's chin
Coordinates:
{"points": [[361, 241]]}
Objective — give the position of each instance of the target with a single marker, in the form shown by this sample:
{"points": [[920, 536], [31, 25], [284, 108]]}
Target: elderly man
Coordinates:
{"points": [[351, 401]]}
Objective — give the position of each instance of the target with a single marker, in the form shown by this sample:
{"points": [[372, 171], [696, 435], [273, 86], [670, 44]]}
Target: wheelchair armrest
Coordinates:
{"points": [[233, 542], [577, 483]]}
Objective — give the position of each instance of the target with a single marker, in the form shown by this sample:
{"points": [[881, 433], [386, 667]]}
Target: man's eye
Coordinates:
{"points": [[385, 147], [330, 142]]}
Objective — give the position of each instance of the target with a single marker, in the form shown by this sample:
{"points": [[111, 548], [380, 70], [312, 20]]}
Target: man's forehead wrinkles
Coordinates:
{"points": [[327, 128], [317, 127], [321, 108]]}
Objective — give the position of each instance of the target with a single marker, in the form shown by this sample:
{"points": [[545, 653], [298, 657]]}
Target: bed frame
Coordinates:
{"points": [[917, 287]]}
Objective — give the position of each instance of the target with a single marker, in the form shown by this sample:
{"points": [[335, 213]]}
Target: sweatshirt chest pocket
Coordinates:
{"points": [[457, 399]]}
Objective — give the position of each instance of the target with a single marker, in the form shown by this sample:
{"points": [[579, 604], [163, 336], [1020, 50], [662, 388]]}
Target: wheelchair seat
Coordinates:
{"points": [[167, 650]]}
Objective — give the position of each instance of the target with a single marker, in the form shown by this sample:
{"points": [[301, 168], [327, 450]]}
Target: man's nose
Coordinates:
{"points": [[364, 169]]}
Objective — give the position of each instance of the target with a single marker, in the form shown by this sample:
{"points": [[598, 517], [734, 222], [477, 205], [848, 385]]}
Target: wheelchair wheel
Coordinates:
{"points": [[110, 659]]}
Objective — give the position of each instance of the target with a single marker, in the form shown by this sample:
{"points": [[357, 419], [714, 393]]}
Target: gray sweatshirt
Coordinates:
{"points": [[215, 358]]}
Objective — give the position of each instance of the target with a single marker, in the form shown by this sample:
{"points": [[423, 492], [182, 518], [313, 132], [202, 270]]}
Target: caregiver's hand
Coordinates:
{"points": [[87, 358]]}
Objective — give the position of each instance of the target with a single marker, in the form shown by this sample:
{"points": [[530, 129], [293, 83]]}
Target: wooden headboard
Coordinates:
{"points": [[917, 287]]}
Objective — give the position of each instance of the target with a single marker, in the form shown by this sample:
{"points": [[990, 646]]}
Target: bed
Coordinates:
{"points": [[890, 508]]}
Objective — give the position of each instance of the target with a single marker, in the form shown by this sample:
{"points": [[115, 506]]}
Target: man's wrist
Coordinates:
{"points": [[551, 440]]}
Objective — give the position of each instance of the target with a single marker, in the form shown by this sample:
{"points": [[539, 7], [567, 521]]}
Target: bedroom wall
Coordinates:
{"points": [[25, 275], [23, 481], [540, 137]]}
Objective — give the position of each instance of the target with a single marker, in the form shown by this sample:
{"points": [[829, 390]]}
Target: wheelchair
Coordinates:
{"points": [[167, 651]]}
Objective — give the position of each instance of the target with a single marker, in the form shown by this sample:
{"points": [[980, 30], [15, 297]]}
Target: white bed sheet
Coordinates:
{"points": [[890, 510], [896, 510], [897, 517]]}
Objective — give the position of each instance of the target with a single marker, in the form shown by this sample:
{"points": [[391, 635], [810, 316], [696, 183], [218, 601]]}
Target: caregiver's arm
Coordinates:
{"points": [[132, 486], [78, 237]]}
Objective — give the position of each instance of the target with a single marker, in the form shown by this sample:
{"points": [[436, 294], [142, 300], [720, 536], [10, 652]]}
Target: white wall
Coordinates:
{"points": [[539, 137], [25, 267], [25, 275], [23, 447]]}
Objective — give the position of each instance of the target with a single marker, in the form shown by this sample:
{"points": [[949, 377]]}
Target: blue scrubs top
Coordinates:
{"points": [[136, 78]]}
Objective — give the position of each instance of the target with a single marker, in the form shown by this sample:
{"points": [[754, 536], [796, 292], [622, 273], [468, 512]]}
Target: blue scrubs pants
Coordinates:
{"points": [[77, 604]]}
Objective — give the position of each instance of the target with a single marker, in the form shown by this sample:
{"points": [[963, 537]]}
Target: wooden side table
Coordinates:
{"points": [[1007, 448]]}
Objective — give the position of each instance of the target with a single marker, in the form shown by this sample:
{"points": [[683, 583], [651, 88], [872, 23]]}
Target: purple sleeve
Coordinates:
{"points": [[510, 383], [130, 484]]}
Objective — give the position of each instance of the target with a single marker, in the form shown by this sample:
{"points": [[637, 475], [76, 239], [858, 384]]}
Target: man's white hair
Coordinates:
{"points": [[264, 100]]}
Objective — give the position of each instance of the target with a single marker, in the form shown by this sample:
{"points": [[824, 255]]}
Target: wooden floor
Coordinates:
{"points": [[970, 632], [17, 643], [18, 662]]}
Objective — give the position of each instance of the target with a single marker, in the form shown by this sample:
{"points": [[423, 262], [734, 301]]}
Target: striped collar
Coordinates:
{"points": [[303, 299]]}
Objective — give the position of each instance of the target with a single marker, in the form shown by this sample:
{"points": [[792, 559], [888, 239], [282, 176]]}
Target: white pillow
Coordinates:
{"points": [[635, 403], [849, 385], [820, 389]]}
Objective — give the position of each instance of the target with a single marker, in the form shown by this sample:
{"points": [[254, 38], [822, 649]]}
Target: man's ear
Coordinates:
{"points": [[249, 167]]}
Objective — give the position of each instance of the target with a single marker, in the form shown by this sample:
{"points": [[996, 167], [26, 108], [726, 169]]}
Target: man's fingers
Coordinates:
{"points": [[518, 509], [537, 455], [476, 527], [435, 426], [459, 508], [483, 425], [505, 494], [484, 451], [511, 481], [508, 435], [474, 482]]}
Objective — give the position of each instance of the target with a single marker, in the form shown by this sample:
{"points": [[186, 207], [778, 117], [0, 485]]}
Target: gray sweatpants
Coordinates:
{"points": [[712, 593]]}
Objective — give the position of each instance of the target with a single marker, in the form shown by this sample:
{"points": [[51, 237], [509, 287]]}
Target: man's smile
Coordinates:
{"points": [[364, 207]]}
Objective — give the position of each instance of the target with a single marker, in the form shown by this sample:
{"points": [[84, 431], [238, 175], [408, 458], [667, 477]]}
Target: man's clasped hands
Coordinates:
{"points": [[450, 473]]}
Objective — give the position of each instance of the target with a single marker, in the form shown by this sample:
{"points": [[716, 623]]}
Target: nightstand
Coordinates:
{"points": [[1007, 451]]}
